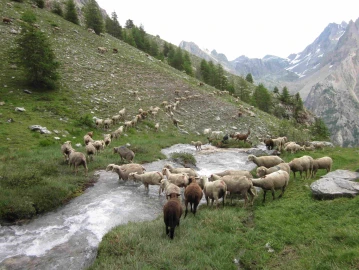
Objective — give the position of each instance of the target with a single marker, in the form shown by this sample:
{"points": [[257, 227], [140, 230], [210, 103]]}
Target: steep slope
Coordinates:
{"points": [[101, 84]]}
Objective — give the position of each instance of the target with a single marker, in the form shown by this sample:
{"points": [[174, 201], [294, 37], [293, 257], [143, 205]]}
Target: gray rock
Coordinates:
{"points": [[20, 109], [42, 130], [27, 91], [339, 183]]}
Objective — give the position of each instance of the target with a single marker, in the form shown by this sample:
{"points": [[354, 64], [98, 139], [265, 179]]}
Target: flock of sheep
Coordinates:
{"points": [[272, 171]]}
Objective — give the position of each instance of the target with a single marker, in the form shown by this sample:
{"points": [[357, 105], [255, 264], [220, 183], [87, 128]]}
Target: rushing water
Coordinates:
{"points": [[68, 238]]}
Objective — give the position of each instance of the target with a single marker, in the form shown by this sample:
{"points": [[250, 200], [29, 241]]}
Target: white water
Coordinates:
{"points": [[68, 238]]}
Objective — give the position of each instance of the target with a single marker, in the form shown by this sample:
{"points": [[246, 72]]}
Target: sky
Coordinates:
{"points": [[253, 28]]}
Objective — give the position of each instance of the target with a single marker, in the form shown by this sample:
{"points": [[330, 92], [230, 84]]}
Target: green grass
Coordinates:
{"points": [[303, 232]]}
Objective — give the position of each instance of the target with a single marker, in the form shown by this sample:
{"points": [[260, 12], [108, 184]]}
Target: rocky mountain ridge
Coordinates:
{"points": [[325, 73]]}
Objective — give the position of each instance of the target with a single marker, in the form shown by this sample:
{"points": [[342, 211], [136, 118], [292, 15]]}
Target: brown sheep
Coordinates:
{"points": [[6, 20], [115, 50], [172, 212], [125, 153], [269, 144], [193, 195], [241, 137]]}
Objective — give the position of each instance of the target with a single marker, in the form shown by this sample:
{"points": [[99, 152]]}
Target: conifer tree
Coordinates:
{"points": [[129, 24], [93, 17], [187, 65], [261, 98], [113, 27], [249, 78], [244, 92], [205, 73], [276, 90], [71, 13], [285, 96], [35, 55]]}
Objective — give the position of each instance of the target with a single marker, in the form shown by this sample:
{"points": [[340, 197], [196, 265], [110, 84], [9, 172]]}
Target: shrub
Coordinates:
{"points": [[184, 158]]}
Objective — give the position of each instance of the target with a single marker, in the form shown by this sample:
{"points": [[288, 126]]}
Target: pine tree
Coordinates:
{"points": [[35, 55], [129, 24], [187, 65], [113, 27], [71, 13], [276, 90], [262, 99], [205, 74], [93, 17], [249, 78], [319, 130], [244, 92], [285, 96]]}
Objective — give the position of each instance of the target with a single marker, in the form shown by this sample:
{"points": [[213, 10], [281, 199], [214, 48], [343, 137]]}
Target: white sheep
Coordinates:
{"points": [[217, 134], [169, 188], [188, 171], [179, 179], [262, 171], [87, 139], [147, 178], [99, 145], [207, 131], [157, 126], [266, 161], [214, 190], [116, 118], [107, 139], [197, 144], [76, 159], [216, 176], [292, 147], [65, 149], [325, 163], [302, 164], [123, 171], [99, 122], [90, 151], [237, 184], [279, 143], [122, 113], [273, 181], [107, 123]]}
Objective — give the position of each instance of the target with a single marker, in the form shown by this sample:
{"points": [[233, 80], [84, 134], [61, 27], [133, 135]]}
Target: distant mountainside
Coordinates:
{"points": [[325, 73]]}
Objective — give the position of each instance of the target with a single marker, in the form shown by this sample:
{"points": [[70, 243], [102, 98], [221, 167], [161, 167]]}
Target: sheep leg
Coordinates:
{"points": [[172, 232], [264, 195], [208, 200], [283, 189], [273, 193], [186, 203]]}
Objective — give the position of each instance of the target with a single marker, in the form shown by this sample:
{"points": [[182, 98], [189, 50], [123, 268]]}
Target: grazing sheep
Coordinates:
{"points": [[241, 137], [207, 131], [237, 184], [157, 126], [217, 134], [122, 112], [272, 182], [269, 143], [216, 176], [6, 20], [125, 153], [107, 123], [90, 151], [266, 161], [107, 139], [197, 144], [87, 139], [172, 212], [193, 195], [293, 148], [99, 145], [117, 133], [325, 163], [123, 171], [188, 171], [169, 188], [278, 143], [179, 179], [102, 49], [99, 122], [147, 178], [214, 190], [90, 133], [302, 164], [116, 118], [262, 171], [76, 159]]}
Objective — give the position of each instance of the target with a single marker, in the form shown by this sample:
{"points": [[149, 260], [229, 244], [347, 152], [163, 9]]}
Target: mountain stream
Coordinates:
{"points": [[68, 237]]}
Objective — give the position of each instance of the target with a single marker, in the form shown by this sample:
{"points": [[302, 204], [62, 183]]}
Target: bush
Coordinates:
{"points": [[184, 158]]}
